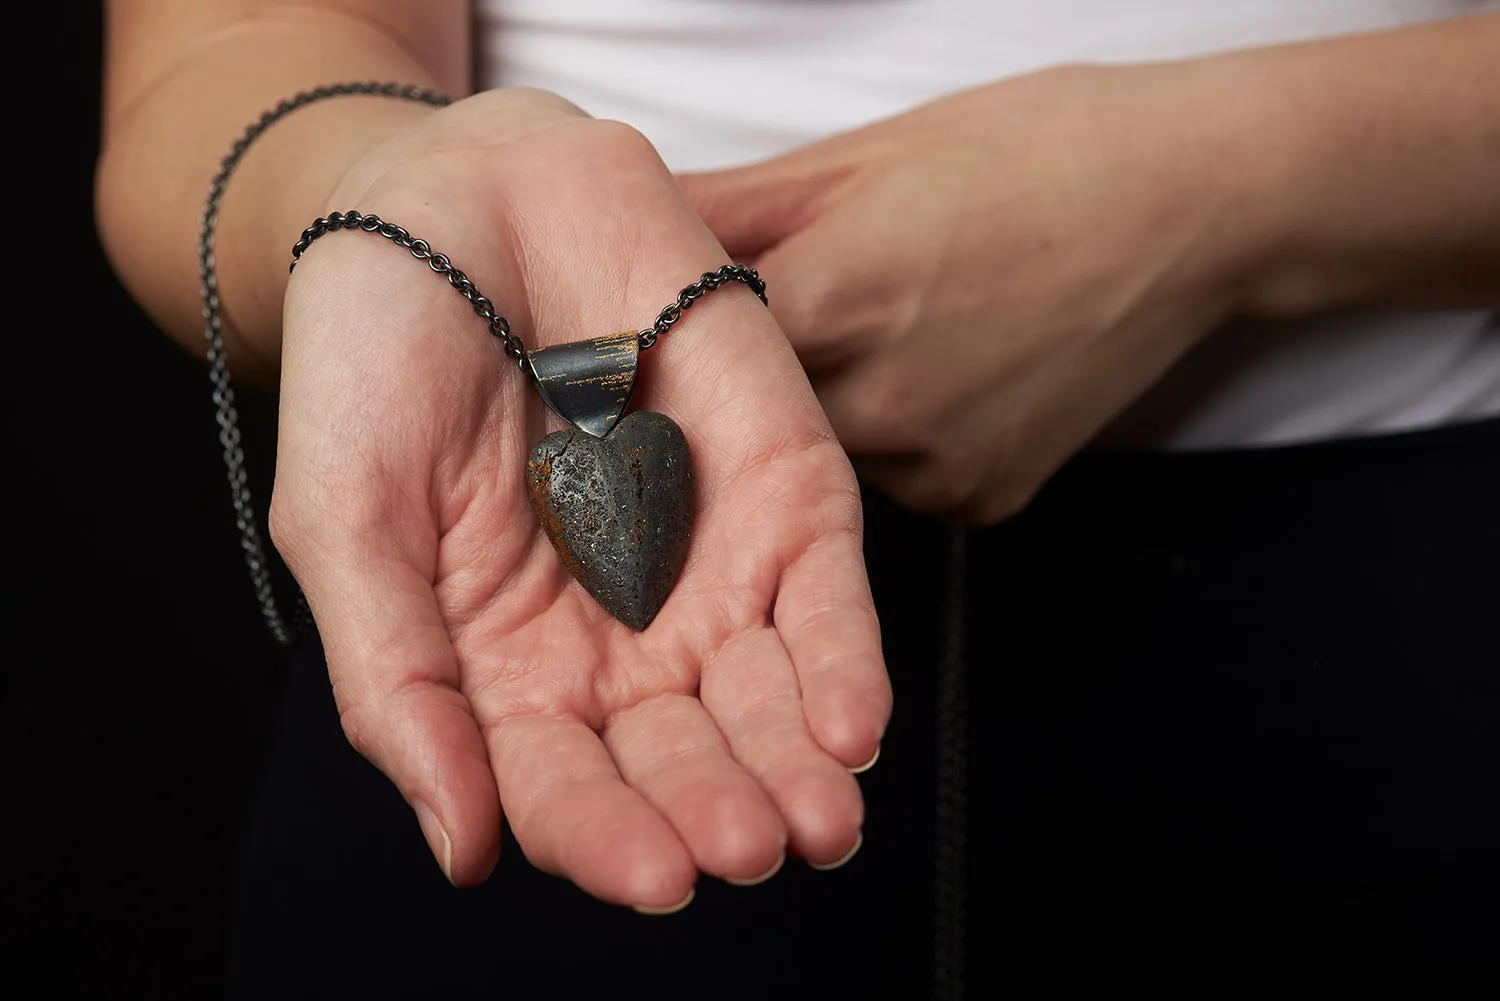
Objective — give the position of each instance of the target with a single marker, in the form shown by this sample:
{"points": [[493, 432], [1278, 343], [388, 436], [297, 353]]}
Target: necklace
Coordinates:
{"points": [[614, 493]]}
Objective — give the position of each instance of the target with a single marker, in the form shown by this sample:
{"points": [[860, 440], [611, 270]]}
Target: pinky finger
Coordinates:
{"points": [[826, 617]]}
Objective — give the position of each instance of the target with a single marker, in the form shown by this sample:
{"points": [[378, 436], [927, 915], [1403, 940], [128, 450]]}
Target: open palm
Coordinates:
{"points": [[466, 662]]}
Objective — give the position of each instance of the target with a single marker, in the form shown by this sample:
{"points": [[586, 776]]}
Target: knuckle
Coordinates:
{"points": [[528, 98], [1001, 507], [830, 325], [942, 495], [801, 304], [881, 414], [1001, 500], [617, 143], [932, 490]]}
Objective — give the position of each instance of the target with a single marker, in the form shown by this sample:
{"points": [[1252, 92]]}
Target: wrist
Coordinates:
{"points": [[275, 192], [1366, 181], [1217, 175], [1240, 153], [1289, 162], [175, 107]]}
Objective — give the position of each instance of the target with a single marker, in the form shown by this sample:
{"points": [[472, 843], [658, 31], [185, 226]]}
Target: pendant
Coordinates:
{"points": [[614, 493]]}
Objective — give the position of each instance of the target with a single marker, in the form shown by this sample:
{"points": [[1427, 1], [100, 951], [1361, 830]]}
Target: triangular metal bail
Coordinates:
{"points": [[588, 383]]}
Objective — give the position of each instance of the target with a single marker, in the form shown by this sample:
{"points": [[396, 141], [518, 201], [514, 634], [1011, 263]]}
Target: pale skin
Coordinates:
{"points": [[979, 286], [465, 664]]}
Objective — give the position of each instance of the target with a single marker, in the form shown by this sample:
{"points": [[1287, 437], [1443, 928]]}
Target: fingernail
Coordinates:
{"points": [[754, 880], [825, 866], [437, 837], [657, 912], [868, 764]]}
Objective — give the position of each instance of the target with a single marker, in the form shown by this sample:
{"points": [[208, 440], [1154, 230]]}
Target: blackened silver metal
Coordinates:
{"points": [[950, 873], [588, 383], [706, 283]]}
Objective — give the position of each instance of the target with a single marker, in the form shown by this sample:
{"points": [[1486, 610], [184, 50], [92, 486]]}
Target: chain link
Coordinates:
{"points": [[705, 284], [252, 546], [498, 326]]}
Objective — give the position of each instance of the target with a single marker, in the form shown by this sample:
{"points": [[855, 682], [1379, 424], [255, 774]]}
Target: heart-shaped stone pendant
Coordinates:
{"points": [[618, 509], [614, 496]]}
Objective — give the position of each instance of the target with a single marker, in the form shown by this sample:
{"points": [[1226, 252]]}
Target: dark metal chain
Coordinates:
{"points": [[950, 881], [420, 249], [251, 544], [485, 309], [709, 281]]}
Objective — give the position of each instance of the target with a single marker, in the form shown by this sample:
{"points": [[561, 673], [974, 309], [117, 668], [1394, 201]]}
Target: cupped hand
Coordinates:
{"points": [[465, 662], [978, 286]]}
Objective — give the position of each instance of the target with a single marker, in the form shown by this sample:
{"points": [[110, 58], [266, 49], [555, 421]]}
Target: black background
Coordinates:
{"points": [[138, 677]]}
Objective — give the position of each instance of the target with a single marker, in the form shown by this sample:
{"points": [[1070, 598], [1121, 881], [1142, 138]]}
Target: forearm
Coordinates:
{"points": [[1377, 163], [181, 87]]}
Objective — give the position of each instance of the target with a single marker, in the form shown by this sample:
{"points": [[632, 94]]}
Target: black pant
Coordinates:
{"points": [[1232, 729]]}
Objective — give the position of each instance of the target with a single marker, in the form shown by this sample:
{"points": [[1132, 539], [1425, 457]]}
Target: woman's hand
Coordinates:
{"points": [[466, 662], [978, 286]]}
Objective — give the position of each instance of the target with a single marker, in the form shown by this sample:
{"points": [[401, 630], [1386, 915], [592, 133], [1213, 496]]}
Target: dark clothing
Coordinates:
{"points": [[1232, 729]]}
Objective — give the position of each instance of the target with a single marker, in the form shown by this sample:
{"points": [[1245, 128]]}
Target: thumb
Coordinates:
{"points": [[395, 680], [751, 209]]}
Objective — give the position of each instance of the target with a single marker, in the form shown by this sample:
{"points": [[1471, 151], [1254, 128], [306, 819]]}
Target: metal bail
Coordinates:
{"points": [[588, 383]]}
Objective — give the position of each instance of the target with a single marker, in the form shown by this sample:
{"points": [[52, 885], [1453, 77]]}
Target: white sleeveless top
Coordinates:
{"points": [[717, 83]]}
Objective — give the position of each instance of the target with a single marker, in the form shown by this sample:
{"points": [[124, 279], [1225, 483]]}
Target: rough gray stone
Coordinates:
{"points": [[618, 509]]}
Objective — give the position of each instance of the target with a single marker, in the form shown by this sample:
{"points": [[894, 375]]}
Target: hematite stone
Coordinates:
{"points": [[618, 509]]}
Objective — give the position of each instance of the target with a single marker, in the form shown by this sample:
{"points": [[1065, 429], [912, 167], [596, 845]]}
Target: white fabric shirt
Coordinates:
{"points": [[717, 83]]}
